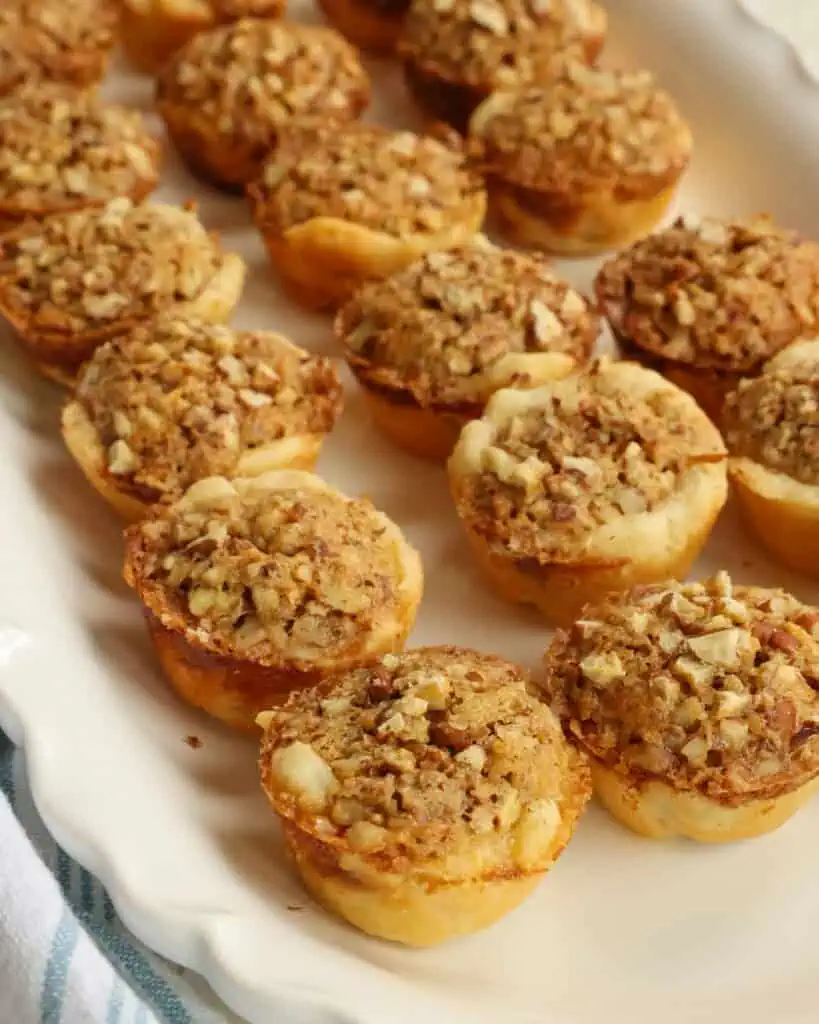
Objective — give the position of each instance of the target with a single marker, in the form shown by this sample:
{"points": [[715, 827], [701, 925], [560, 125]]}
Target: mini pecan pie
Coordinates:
{"points": [[706, 302], [582, 164], [259, 586], [590, 484], [153, 30], [180, 400], [79, 279], [56, 40], [227, 94], [430, 344], [371, 24], [63, 150], [342, 206], [423, 796], [771, 428], [697, 704], [457, 52]]}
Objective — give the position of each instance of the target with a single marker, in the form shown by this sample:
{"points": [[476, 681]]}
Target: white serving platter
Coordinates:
{"points": [[623, 929]]}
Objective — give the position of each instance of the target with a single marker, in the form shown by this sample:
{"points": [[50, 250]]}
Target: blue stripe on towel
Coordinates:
{"points": [[115, 1001], [55, 978]]}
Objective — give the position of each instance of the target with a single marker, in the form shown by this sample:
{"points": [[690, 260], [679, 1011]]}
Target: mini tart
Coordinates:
{"points": [[227, 94], [64, 150], [339, 207], [153, 30], [457, 52], [181, 400], [371, 24], [423, 796], [257, 587], [432, 343], [697, 705], [55, 40], [771, 428], [77, 280], [585, 163], [706, 302], [590, 484]]}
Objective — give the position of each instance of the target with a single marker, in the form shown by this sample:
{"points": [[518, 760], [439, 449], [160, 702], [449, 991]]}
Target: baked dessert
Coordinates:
{"points": [[343, 205], [771, 429], [62, 150], [425, 795], [594, 483], [457, 52], [697, 706], [56, 40], [259, 586], [153, 30], [79, 279], [584, 163], [430, 344], [371, 25], [179, 400], [227, 94], [707, 302]]}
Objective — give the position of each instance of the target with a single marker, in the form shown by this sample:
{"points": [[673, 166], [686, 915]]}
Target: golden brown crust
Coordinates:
{"points": [[713, 296], [457, 52], [555, 485], [227, 94], [706, 687], [64, 150], [435, 770], [182, 399], [153, 30], [55, 40], [337, 208], [80, 279], [372, 26]]}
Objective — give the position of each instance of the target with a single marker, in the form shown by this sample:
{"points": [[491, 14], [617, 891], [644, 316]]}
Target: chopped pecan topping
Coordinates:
{"points": [[713, 690], [712, 294]]}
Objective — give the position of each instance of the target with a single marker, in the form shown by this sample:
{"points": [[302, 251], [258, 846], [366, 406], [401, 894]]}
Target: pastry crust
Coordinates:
{"points": [[80, 279], [372, 26], [707, 302], [771, 424], [152, 31], [696, 705], [227, 95], [457, 53], [326, 238], [180, 400], [595, 483], [585, 163], [431, 344], [486, 792], [256, 587], [64, 41], [63, 150]]}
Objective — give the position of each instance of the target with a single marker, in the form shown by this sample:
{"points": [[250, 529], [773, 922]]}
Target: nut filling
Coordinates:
{"points": [[716, 295], [62, 148], [586, 455], [588, 130], [395, 182], [95, 270], [495, 43], [183, 400], [439, 328], [290, 574], [774, 420], [708, 686], [253, 76], [423, 755]]}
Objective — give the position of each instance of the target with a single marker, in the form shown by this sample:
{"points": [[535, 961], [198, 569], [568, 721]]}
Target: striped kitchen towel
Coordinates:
{"points": [[65, 957]]}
